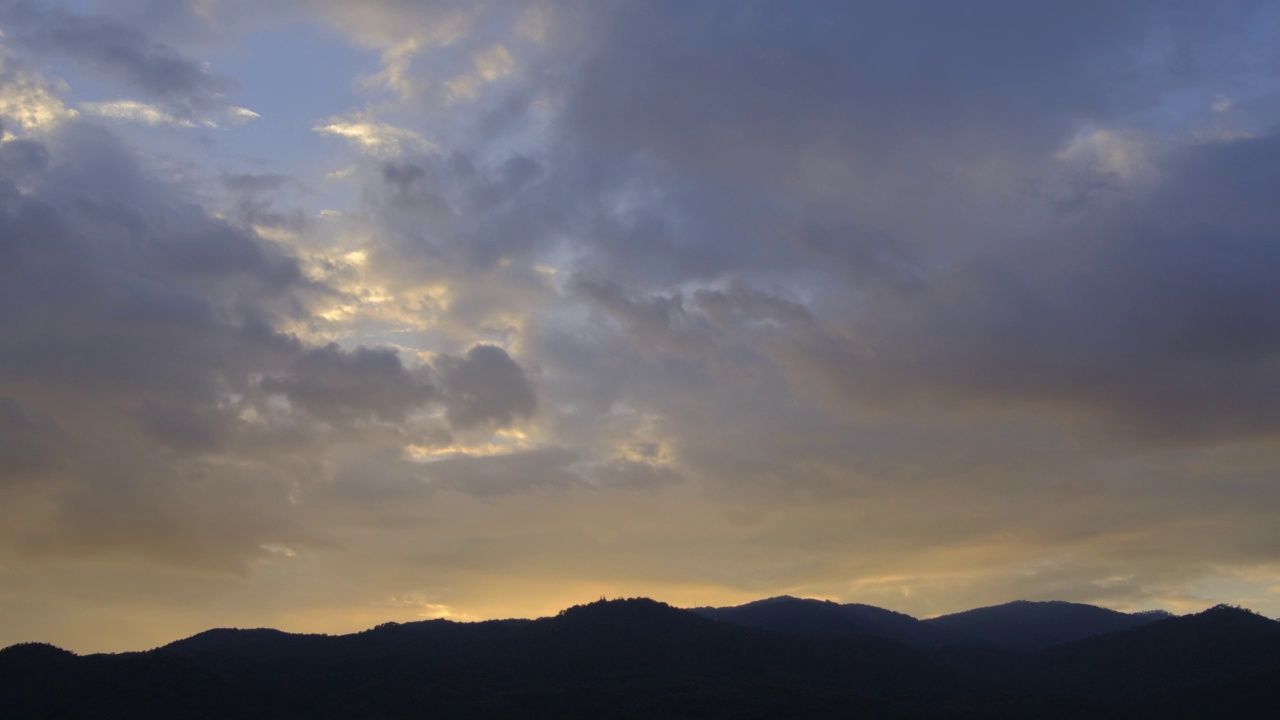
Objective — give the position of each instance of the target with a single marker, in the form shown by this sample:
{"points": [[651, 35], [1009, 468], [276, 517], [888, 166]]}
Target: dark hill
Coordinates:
{"points": [[795, 615], [1184, 661], [597, 659], [42, 681], [643, 659], [1026, 624]]}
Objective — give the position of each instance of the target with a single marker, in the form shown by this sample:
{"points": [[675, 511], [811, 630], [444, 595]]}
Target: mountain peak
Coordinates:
{"points": [[1233, 615], [225, 639], [622, 609], [1037, 623], [34, 652], [781, 599], [619, 603], [822, 617]]}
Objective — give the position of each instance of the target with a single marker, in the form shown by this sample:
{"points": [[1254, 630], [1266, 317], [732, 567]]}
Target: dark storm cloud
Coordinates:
{"points": [[485, 386], [159, 72]]}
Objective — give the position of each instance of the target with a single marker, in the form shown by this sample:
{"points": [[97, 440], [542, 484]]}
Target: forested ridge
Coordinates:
{"points": [[638, 658]]}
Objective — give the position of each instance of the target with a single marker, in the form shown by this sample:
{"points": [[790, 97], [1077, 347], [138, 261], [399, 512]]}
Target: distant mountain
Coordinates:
{"points": [[1020, 624], [596, 660], [643, 659], [1210, 660], [41, 681], [823, 617], [1026, 624]]}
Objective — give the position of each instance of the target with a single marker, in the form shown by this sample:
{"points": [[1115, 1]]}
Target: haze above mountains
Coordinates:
{"points": [[780, 657]]}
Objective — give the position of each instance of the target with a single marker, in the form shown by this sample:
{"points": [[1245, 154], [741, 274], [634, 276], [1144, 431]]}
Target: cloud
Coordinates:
{"points": [[134, 111], [632, 473], [504, 474], [388, 22], [140, 112], [28, 100], [653, 321], [397, 72], [923, 255], [379, 139], [1151, 315], [184, 89], [23, 160], [238, 115], [485, 386], [338, 385], [153, 403]]}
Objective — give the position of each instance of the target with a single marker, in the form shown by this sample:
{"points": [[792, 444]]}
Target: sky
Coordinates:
{"points": [[318, 314]]}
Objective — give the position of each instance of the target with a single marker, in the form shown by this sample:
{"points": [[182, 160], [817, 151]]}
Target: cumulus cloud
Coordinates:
{"points": [[29, 101]]}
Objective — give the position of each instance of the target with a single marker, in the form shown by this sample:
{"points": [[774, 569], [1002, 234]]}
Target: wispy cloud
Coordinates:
{"points": [[140, 112], [134, 111], [376, 138]]}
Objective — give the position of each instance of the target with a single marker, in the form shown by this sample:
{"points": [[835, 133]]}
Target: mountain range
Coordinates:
{"points": [[637, 658], [1020, 624]]}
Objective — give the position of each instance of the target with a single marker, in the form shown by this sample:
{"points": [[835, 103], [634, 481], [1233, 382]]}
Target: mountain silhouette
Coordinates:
{"points": [[643, 659], [1027, 624], [657, 656], [823, 617], [1019, 624], [1187, 661], [41, 681]]}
